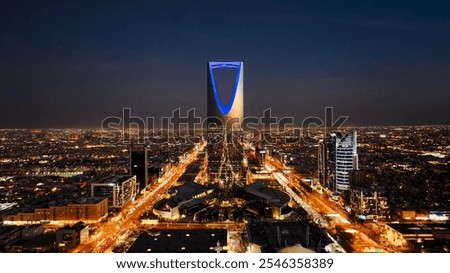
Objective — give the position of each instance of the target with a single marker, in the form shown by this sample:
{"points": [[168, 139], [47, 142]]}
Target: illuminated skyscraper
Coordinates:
{"points": [[221, 112], [224, 148], [337, 157], [345, 159]]}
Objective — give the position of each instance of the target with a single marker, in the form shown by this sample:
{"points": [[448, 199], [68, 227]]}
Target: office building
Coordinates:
{"points": [[139, 166], [337, 158], [231, 112], [346, 160], [119, 190], [224, 134]]}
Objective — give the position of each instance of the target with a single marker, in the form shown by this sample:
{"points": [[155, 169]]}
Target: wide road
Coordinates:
{"points": [[322, 209], [110, 233]]}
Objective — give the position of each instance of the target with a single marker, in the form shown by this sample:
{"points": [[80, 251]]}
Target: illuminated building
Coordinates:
{"points": [[416, 236], [119, 190], [186, 197], [368, 204], [83, 209], [233, 111], [224, 150], [345, 160], [337, 158]]}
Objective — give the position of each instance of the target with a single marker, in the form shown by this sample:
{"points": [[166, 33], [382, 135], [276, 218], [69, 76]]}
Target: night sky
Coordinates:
{"points": [[65, 64]]}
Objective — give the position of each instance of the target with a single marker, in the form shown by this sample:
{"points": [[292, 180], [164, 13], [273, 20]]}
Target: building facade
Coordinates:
{"points": [[337, 158], [139, 166], [232, 112], [224, 133], [83, 209], [346, 160], [119, 190], [70, 236]]}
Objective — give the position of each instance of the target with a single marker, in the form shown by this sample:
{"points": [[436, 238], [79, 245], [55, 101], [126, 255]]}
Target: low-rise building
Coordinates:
{"points": [[82, 209], [403, 235], [9, 234], [70, 236], [31, 231], [276, 199], [366, 203], [286, 236]]}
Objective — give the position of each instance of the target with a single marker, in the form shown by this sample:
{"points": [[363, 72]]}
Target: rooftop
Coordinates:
{"points": [[421, 228], [273, 236], [114, 179], [78, 226], [87, 200], [188, 191], [42, 241], [177, 241], [274, 196]]}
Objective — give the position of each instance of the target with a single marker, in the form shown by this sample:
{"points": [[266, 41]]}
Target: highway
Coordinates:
{"points": [[110, 233], [324, 212]]}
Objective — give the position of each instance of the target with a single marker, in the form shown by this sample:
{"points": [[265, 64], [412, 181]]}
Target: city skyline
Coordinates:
{"points": [[68, 66], [229, 189]]}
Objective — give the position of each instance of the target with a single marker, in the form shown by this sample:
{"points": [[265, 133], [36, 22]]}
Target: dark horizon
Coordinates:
{"points": [[345, 127], [69, 65]]}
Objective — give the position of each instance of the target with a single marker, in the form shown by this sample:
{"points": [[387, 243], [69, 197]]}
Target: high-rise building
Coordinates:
{"points": [[139, 166], [322, 162], [224, 134], [119, 190], [337, 157], [222, 113], [345, 160]]}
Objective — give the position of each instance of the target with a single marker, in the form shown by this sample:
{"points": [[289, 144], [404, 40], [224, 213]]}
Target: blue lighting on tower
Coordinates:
{"points": [[224, 109]]}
